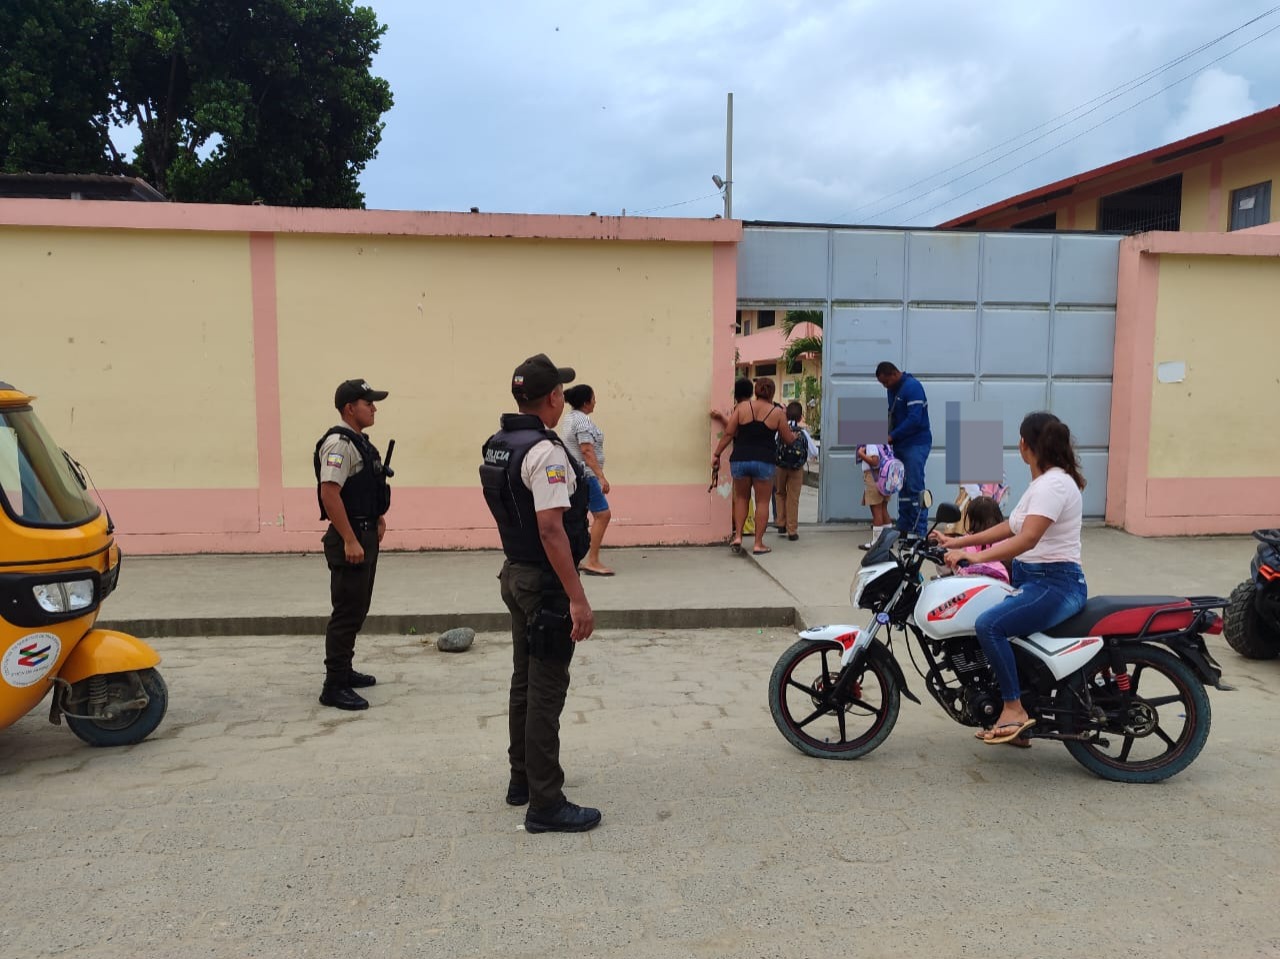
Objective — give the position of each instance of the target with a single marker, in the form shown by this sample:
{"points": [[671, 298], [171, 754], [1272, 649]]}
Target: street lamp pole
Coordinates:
{"points": [[728, 161]]}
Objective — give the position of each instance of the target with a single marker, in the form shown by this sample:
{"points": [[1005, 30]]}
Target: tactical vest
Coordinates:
{"points": [[366, 494], [511, 502]]}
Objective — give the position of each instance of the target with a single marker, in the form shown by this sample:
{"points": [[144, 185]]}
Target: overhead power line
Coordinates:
{"points": [[1077, 136], [1092, 105]]}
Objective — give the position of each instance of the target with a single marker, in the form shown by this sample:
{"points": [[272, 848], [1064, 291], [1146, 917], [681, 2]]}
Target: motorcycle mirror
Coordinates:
{"points": [[926, 498], [948, 513]]}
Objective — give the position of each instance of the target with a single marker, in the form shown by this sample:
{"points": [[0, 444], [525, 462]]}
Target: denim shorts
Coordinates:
{"points": [[596, 503], [752, 469]]}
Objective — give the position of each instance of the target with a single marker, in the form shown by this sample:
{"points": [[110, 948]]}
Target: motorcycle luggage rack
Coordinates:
{"points": [[1201, 606]]}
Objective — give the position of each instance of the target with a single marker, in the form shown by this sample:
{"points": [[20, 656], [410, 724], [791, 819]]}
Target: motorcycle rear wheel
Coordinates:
{"points": [[805, 714], [1243, 628], [1155, 731]]}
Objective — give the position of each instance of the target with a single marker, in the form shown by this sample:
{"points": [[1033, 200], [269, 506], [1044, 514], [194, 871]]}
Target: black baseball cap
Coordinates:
{"points": [[351, 390], [537, 376]]}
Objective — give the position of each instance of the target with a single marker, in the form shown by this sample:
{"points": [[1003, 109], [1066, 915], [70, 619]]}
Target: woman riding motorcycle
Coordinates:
{"points": [[1042, 538]]}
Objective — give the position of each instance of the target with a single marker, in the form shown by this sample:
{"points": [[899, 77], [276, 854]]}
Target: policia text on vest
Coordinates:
{"points": [[353, 494]]}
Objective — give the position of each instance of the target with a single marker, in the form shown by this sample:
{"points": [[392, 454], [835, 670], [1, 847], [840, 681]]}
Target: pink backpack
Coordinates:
{"points": [[891, 472]]}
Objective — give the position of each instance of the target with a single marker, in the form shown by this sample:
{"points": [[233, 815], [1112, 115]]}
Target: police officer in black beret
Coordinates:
{"points": [[351, 485], [538, 496]]}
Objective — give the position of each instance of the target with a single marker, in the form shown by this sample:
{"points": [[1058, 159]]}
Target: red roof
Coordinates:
{"points": [[1253, 122]]}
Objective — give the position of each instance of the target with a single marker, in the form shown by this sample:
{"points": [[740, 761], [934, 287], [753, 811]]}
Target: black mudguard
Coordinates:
{"points": [[1191, 649], [879, 652]]}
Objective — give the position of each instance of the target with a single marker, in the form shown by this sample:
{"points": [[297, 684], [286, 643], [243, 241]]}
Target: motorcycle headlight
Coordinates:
{"points": [[64, 597]]}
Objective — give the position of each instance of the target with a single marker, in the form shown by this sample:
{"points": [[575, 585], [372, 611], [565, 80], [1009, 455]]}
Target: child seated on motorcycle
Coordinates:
{"points": [[982, 514]]}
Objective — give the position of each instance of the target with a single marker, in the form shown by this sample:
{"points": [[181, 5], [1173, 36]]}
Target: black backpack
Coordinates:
{"points": [[793, 455]]}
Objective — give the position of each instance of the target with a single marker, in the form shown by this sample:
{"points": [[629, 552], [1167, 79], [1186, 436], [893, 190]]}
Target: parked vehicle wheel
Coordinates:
{"points": [[1243, 628], [1154, 730], [806, 714], [126, 726]]}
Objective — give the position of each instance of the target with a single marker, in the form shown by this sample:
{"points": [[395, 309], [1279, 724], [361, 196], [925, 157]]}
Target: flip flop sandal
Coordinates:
{"points": [[1015, 731], [761, 552], [735, 548]]}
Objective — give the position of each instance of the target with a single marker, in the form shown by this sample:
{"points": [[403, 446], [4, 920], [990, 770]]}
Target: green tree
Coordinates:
{"points": [[804, 344], [55, 87], [235, 102], [272, 101]]}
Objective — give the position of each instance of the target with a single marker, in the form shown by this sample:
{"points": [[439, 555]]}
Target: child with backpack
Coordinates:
{"points": [[872, 457], [983, 513], [790, 473]]}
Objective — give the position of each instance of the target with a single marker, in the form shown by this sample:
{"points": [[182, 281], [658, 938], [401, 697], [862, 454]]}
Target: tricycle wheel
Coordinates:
{"points": [[1244, 630], [124, 727]]}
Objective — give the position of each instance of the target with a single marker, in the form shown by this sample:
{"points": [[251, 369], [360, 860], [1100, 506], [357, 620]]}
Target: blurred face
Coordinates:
{"points": [[590, 405]]}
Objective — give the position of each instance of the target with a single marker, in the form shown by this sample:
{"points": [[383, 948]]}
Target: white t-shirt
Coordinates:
{"points": [[1055, 496], [547, 474], [871, 449]]}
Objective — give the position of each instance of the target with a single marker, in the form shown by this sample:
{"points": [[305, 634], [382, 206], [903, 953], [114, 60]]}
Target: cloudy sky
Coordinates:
{"points": [[841, 108]]}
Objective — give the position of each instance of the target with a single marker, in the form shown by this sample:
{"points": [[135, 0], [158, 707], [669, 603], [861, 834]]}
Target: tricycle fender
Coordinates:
{"points": [[103, 651]]}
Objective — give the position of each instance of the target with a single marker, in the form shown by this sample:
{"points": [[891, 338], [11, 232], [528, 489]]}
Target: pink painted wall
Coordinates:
{"points": [[274, 516], [768, 344], [1196, 455]]}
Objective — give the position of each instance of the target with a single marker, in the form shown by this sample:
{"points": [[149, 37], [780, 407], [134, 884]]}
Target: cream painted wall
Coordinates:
{"points": [[1195, 201], [1216, 314], [1246, 169], [441, 323], [139, 346]]}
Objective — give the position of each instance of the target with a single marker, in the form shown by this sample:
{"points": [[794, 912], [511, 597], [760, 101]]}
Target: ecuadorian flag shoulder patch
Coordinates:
{"points": [[555, 474], [333, 460]]}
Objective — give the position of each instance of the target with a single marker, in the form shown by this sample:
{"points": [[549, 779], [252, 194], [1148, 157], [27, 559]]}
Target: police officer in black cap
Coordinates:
{"points": [[351, 484], [538, 496]]}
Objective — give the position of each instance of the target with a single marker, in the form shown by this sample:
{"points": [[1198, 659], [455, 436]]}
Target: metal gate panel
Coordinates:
{"points": [[1086, 271], [852, 337], [941, 342], [868, 266], [1014, 341], [1017, 269], [783, 265], [1086, 344], [1024, 320]]}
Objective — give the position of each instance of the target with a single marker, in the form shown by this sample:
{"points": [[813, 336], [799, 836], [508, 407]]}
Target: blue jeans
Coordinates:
{"points": [[911, 517], [1046, 595]]}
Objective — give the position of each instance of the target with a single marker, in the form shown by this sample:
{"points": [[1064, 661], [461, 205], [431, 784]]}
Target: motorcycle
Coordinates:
{"points": [[1121, 684], [58, 562], [1253, 610]]}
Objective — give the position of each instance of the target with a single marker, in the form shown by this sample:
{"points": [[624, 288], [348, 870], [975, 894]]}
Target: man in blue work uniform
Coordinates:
{"points": [[911, 438]]}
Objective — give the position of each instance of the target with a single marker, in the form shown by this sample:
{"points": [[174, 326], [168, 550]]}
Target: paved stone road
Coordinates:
{"points": [[257, 823]]}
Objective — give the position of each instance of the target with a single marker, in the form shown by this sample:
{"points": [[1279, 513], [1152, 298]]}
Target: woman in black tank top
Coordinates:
{"points": [[753, 429]]}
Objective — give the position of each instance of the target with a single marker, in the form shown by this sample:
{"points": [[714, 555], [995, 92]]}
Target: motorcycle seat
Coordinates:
{"points": [[1124, 616]]}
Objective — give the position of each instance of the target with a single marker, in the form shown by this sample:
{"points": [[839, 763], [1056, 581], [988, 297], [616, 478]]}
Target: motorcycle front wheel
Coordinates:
{"points": [[1153, 730], [803, 704]]}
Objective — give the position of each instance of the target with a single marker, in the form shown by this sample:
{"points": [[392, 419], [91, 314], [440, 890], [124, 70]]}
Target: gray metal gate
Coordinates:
{"points": [[1022, 320]]}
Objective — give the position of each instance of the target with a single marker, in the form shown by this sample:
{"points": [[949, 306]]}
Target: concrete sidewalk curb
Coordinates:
{"points": [[758, 617]]}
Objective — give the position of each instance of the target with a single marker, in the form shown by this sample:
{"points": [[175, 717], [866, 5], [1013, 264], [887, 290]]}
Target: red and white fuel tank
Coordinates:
{"points": [[950, 605]]}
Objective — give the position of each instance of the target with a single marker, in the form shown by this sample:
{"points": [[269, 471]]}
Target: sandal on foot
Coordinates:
{"points": [[761, 552], [1010, 731]]}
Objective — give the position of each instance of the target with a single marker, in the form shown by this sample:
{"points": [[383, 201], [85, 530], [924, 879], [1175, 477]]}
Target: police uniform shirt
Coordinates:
{"points": [[546, 473], [339, 459]]}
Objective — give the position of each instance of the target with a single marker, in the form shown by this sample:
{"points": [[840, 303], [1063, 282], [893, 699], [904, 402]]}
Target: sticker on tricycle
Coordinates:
{"points": [[30, 659]]}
